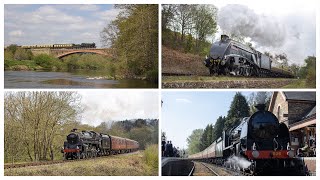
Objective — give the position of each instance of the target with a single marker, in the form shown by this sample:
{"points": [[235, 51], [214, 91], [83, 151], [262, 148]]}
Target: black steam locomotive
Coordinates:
{"points": [[88, 144], [229, 57], [259, 141]]}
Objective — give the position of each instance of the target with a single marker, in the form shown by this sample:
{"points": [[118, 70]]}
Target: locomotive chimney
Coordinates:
{"points": [[224, 37], [260, 107]]}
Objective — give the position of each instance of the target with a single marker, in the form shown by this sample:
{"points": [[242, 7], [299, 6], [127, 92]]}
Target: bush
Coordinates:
{"points": [[48, 62], [152, 76], [151, 156]]}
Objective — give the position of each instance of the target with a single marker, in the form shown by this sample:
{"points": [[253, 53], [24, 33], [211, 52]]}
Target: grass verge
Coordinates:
{"points": [[118, 165]]}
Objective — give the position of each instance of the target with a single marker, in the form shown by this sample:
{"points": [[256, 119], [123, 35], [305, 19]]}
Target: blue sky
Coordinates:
{"points": [[49, 24], [182, 112]]}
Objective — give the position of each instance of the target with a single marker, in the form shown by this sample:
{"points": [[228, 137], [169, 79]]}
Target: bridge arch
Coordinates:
{"points": [[80, 51]]}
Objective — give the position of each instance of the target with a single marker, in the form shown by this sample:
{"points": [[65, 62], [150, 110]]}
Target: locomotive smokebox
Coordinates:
{"points": [[260, 107]]}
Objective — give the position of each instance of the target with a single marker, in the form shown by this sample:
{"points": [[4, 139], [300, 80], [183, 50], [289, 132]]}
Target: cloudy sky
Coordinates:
{"points": [[106, 106], [278, 26], [48, 24]]}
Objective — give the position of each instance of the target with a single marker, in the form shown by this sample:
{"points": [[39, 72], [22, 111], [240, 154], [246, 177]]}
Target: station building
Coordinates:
{"points": [[298, 111]]}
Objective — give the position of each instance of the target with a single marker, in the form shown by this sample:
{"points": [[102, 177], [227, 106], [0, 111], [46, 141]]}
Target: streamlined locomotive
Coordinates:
{"points": [[229, 57]]}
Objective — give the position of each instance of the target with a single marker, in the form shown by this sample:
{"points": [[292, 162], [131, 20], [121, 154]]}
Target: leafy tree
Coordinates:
{"points": [[238, 109], [206, 138], [187, 26], [12, 48], [8, 55], [22, 54], [311, 71], [167, 15], [218, 128], [194, 141], [134, 36], [204, 20]]}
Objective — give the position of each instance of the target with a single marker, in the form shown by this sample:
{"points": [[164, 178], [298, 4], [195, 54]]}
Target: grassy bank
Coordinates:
{"points": [[301, 83], [119, 165]]}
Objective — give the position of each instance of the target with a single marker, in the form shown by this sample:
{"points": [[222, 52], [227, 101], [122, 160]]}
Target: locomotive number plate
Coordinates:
{"points": [[276, 153]]}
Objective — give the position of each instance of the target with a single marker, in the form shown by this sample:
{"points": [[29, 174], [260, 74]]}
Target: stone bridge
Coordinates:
{"points": [[60, 53]]}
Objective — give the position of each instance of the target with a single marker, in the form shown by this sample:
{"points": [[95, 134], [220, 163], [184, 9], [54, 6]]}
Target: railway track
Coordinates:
{"points": [[42, 163], [210, 169], [198, 168]]}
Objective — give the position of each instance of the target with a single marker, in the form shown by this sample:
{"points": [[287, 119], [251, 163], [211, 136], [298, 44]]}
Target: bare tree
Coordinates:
{"points": [[37, 117]]}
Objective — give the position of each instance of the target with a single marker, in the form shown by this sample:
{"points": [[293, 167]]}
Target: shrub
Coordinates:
{"points": [[152, 76], [151, 156], [48, 61]]}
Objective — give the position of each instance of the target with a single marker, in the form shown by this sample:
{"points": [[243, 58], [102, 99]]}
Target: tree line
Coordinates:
{"points": [[240, 107], [36, 125], [187, 27]]}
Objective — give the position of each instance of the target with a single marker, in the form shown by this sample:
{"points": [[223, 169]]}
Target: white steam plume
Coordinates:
{"points": [[239, 20]]}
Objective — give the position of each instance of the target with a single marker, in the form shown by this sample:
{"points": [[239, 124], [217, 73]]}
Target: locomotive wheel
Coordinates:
{"points": [[248, 72]]}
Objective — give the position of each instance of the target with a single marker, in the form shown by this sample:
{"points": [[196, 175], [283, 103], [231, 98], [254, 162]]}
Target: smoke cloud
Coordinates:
{"points": [[292, 34], [239, 20]]}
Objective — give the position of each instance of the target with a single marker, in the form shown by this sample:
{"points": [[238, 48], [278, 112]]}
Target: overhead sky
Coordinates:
{"points": [[48, 24], [278, 26], [107, 106], [183, 112]]}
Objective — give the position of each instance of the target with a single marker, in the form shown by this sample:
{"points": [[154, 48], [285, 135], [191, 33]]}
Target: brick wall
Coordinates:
{"points": [[282, 103]]}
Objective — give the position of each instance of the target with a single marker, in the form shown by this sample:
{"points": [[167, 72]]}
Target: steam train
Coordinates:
{"points": [[259, 141], [88, 144], [229, 57], [61, 46]]}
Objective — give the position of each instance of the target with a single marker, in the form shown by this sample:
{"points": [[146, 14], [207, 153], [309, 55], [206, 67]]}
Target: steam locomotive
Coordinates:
{"points": [[259, 141], [229, 57], [88, 144], [61, 46]]}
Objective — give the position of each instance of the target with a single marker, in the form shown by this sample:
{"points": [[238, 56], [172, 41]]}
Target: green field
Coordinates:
{"points": [[135, 164]]}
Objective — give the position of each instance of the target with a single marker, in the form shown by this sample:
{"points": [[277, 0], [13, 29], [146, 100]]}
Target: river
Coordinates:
{"points": [[77, 79]]}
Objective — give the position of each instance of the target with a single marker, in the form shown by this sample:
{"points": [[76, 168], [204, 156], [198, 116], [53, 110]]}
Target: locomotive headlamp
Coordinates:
{"points": [[255, 154], [290, 154]]}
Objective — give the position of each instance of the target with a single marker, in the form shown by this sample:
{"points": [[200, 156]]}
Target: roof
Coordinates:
{"points": [[302, 96], [312, 112]]}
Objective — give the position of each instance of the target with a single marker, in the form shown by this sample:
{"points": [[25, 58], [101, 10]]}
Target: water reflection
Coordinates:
{"points": [[77, 79]]}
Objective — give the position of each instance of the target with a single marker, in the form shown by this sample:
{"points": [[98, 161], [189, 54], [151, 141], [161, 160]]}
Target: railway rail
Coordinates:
{"points": [[197, 167], [42, 163]]}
